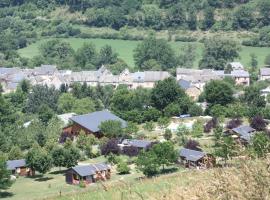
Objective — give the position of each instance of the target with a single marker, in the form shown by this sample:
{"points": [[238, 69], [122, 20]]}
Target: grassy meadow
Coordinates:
{"points": [[125, 49]]}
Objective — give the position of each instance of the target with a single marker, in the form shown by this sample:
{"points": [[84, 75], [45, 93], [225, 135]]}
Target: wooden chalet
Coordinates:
{"points": [[242, 134], [18, 167], [197, 159], [88, 173], [90, 123]]}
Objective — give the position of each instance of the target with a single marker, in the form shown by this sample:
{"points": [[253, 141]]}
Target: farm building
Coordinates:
{"points": [[90, 123], [191, 158], [88, 173], [18, 167]]}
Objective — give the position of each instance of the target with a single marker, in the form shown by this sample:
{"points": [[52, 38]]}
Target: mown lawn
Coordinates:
{"points": [[125, 49]]}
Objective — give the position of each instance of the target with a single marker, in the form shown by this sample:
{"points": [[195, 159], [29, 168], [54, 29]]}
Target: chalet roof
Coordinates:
{"points": [[45, 70], [137, 143], [265, 71], [13, 164], [150, 76], [184, 84], [239, 73], [88, 170], [8, 71], [245, 132], [93, 120], [191, 155]]}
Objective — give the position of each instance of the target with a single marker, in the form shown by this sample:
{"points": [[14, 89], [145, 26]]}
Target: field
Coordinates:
{"points": [[125, 49]]}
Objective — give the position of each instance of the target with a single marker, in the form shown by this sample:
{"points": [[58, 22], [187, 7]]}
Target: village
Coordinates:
{"points": [[181, 142]]}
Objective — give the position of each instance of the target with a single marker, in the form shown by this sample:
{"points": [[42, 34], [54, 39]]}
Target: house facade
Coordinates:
{"points": [[90, 123], [19, 167], [196, 159], [264, 74], [88, 174]]}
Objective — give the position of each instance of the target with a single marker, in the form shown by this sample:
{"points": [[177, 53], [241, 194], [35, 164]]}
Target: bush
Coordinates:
{"points": [[130, 151], [123, 168], [193, 145], [210, 125], [234, 123], [168, 134], [185, 39]]}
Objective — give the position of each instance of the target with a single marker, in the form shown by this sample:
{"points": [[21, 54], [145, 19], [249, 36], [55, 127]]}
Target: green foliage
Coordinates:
{"points": [[260, 144], [197, 129], [168, 134], [5, 181], [166, 92], [42, 95], [111, 128], [218, 52], [147, 163], [182, 131], [38, 159], [267, 60], [71, 154], [163, 122], [218, 92], [149, 126], [132, 128], [165, 153], [123, 168], [225, 146], [56, 52], [58, 156], [154, 49], [195, 110], [15, 153]]}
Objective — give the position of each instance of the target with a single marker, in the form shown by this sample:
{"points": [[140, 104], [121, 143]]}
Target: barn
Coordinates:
{"points": [[88, 173]]}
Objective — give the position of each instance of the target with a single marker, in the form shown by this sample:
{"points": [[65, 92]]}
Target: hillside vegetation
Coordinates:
{"points": [[248, 180], [23, 22]]}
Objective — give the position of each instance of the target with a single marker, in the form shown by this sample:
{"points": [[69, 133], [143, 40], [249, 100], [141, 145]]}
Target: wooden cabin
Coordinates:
{"points": [[88, 174], [242, 134], [196, 159], [90, 123], [18, 167]]}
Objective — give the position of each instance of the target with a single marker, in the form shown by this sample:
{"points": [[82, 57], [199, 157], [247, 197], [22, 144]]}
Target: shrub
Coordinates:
{"points": [[210, 125], [234, 123], [130, 151], [258, 123], [123, 168], [193, 145]]}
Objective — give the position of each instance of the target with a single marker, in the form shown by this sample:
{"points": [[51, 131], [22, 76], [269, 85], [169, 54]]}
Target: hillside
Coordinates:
{"points": [[26, 21], [247, 180]]}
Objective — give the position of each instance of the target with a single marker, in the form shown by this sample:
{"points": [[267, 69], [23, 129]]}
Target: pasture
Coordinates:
{"points": [[125, 49]]}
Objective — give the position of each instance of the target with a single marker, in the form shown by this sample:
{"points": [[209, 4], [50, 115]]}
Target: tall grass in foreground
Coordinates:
{"points": [[250, 180]]}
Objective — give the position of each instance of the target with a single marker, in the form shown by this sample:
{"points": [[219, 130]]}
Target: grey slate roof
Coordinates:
{"points": [[88, 170], [93, 120], [150, 76], [45, 70], [184, 84], [245, 132], [265, 71], [137, 143], [191, 155], [13, 164]]}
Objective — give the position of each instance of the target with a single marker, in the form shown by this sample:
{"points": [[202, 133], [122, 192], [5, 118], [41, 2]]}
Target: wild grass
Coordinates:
{"points": [[248, 180]]}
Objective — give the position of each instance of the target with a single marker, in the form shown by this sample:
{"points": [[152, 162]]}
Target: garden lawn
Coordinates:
{"points": [[125, 49], [40, 188]]}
